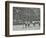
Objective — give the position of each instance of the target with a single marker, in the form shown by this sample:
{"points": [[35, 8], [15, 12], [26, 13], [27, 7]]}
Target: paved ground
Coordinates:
{"points": [[24, 27]]}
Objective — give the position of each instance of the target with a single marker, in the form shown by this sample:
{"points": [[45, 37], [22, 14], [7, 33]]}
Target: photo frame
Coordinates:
{"points": [[24, 18]]}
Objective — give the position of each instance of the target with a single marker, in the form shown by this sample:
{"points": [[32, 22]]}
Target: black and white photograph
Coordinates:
{"points": [[24, 18]]}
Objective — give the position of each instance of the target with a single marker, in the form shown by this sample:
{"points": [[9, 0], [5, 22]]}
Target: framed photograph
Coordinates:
{"points": [[24, 18]]}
